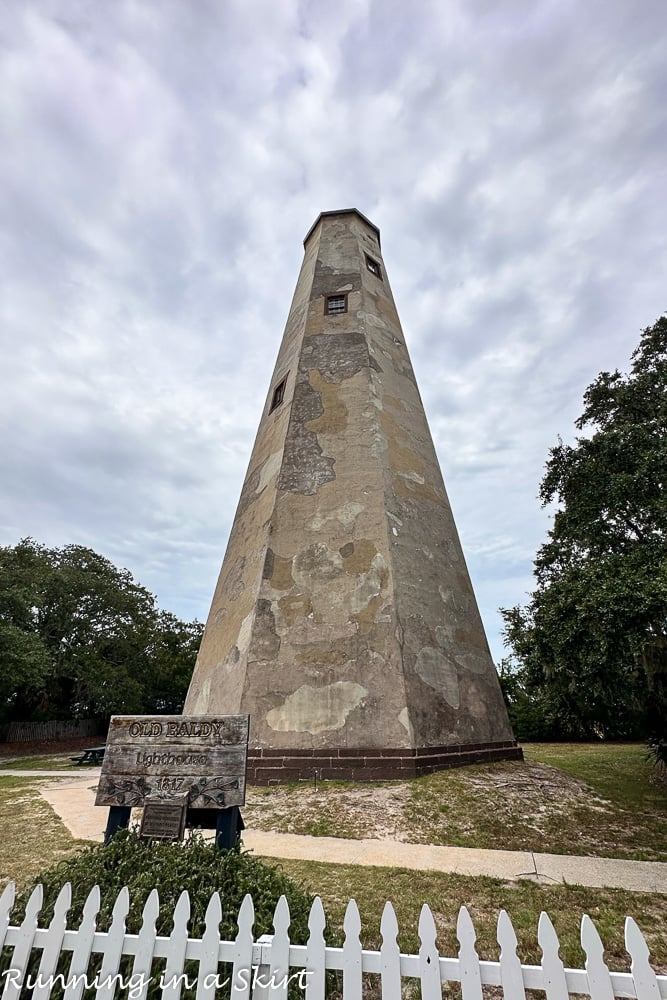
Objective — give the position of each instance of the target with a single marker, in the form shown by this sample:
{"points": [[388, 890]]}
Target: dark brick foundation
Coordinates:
{"points": [[268, 767]]}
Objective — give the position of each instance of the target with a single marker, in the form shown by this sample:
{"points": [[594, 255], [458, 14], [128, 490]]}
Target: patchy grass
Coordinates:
{"points": [[43, 762], [329, 810], [619, 772], [33, 838], [484, 898], [533, 806], [594, 799], [32, 835]]}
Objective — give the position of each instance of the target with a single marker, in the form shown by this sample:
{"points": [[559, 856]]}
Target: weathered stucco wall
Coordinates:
{"points": [[219, 674], [344, 614]]}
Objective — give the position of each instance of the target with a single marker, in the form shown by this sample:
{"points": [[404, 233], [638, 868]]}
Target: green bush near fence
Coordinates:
{"points": [[143, 865], [196, 866]]}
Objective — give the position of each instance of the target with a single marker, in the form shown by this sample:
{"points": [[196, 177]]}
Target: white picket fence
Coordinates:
{"points": [[263, 967]]}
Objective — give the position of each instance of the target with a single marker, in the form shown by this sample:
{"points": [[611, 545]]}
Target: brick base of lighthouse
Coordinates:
{"points": [[269, 767]]}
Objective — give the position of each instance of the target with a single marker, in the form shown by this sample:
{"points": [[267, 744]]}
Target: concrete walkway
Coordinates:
{"points": [[73, 796]]}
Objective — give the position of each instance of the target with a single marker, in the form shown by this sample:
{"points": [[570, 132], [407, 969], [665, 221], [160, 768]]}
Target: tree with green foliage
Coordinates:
{"points": [[79, 637], [591, 644]]}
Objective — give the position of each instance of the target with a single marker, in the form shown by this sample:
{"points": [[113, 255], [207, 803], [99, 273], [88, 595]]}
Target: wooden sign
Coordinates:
{"points": [[163, 819], [167, 757]]}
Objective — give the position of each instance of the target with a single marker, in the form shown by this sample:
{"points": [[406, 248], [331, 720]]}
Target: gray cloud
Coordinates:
{"points": [[159, 167]]}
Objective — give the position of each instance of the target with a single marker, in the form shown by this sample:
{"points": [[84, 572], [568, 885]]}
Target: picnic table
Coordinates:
{"points": [[93, 755]]}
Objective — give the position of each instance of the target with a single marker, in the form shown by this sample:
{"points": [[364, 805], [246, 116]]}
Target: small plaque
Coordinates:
{"points": [[163, 820]]}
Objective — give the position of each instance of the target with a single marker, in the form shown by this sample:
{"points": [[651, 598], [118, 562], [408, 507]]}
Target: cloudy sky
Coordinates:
{"points": [[160, 164]]}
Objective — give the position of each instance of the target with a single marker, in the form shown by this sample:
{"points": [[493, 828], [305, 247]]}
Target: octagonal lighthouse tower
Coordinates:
{"points": [[344, 621]]}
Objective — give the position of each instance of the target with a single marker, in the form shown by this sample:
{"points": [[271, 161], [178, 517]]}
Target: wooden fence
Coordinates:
{"points": [[54, 729], [264, 967]]}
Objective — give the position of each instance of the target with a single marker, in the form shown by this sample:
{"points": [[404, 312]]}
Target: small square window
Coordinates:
{"points": [[373, 267], [278, 395], [336, 304]]}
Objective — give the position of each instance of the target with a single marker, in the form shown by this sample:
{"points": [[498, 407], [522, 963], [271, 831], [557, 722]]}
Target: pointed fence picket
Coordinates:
{"points": [[243, 951], [278, 960], [390, 955], [144, 945], [316, 952], [553, 970], [352, 953], [54, 943], [113, 951]]}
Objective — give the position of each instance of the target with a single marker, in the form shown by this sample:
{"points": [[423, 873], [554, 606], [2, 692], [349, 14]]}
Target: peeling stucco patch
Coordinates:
{"points": [[346, 515], [280, 573], [358, 555], [439, 673], [317, 710], [333, 419], [371, 585], [316, 560], [394, 403], [335, 356], [245, 633], [476, 663], [413, 476], [404, 719], [327, 279], [265, 643], [417, 491], [294, 606], [234, 584], [269, 469], [227, 674], [368, 615], [457, 603], [259, 479], [305, 468], [443, 635]]}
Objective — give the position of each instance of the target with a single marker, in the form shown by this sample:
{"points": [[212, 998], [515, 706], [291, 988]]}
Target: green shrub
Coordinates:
{"points": [[143, 865], [657, 753], [170, 868]]}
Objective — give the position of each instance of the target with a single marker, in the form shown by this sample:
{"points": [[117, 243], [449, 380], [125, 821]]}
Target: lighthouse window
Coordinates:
{"points": [[373, 267], [278, 395], [336, 304]]}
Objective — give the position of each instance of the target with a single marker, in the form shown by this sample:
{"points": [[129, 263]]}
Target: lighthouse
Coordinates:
{"points": [[344, 621]]}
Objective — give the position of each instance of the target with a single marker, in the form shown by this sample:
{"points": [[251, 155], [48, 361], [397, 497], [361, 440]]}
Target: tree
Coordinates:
{"points": [[79, 637], [174, 649], [24, 657], [591, 643]]}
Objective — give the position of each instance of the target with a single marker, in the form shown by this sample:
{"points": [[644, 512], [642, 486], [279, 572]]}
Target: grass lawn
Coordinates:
{"points": [[620, 772], [484, 898], [33, 838], [592, 799], [43, 762], [595, 799]]}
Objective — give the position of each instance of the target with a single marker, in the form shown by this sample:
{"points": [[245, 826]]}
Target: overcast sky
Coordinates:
{"points": [[160, 164]]}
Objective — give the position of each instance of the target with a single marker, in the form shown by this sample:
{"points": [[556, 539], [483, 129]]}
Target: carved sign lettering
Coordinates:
{"points": [[167, 757]]}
